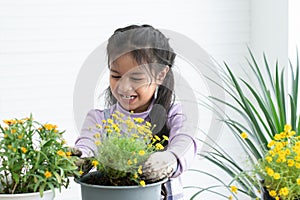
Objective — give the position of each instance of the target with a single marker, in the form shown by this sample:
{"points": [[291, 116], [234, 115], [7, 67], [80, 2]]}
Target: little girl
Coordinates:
{"points": [[140, 61]]}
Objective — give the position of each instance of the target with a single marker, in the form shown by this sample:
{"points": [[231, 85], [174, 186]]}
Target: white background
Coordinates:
{"points": [[43, 45]]}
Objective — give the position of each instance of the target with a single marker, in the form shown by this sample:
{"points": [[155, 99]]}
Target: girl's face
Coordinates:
{"points": [[131, 84]]}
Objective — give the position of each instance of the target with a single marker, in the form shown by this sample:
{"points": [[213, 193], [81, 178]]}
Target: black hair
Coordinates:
{"points": [[146, 45]]}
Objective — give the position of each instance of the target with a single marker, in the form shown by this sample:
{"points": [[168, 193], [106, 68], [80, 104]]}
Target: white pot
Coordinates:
{"points": [[47, 195]]}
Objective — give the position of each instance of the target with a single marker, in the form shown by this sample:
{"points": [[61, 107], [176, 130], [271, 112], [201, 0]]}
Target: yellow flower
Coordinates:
{"points": [[5, 135], [135, 160], [110, 121], [287, 128], [298, 181], [142, 183], [129, 162], [268, 159], [276, 176], [140, 169], [277, 137], [99, 126], [138, 120], [271, 143], [297, 165], [95, 163], [20, 137], [61, 153], [278, 146], [68, 154], [230, 197], [159, 146], [234, 189], [104, 121], [273, 193], [156, 137], [297, 158], [291, 133], [97, 135], [290, 163], [81, 172], [109, 131], [10, 121], [148, 124], [97, 142], [135, 176], [49, 127], [165, 137], [284, 191], [23, 149], [141, 152], [270, 171], [244, 135], [9, 146], [48, 174], [13, 131]]}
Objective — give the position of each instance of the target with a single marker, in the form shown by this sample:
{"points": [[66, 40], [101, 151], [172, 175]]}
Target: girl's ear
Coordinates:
{"points": [[161, 75]]}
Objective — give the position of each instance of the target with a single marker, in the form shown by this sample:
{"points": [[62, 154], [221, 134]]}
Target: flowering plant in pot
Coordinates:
{"points": [[124, 143], [280, 167], [262, 114], [33, 157]]}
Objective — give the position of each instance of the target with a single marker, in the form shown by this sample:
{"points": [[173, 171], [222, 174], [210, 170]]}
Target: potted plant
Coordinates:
{"points": [[280, 167], [34, 160], [262, 115], [124, 143]]}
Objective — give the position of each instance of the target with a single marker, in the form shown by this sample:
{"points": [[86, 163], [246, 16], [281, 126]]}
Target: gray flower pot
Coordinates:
{"points": [[100, 192]]}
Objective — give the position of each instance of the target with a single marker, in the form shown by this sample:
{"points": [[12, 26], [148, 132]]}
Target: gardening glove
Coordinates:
{"points": [[75, 151], [159, 165], [83, 164]]}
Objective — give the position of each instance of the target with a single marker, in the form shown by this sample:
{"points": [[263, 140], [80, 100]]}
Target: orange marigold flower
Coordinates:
{"points": [[61, 153], [23, 149], [48, 174]]}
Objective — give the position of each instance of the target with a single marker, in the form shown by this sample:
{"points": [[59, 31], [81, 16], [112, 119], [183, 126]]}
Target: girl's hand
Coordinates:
{"points": [[159, 165], [83, 164]]}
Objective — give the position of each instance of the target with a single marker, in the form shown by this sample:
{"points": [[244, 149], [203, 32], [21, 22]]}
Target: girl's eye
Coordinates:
{"points": [[136, 79], [115, 77]]}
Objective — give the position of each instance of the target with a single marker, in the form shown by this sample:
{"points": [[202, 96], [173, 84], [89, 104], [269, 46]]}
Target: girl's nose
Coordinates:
{"points": [[124, 85]]}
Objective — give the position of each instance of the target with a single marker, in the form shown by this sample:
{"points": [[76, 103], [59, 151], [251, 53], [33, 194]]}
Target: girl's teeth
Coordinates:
{"points": [[127, 97]]}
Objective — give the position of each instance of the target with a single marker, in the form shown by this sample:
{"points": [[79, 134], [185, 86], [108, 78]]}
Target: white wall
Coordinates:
{"points": [[269, 29], [294, 29], [44, 43]]}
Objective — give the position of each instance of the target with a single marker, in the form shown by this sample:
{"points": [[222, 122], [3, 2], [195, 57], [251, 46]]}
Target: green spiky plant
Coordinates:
{"points": [[255, 113]]}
